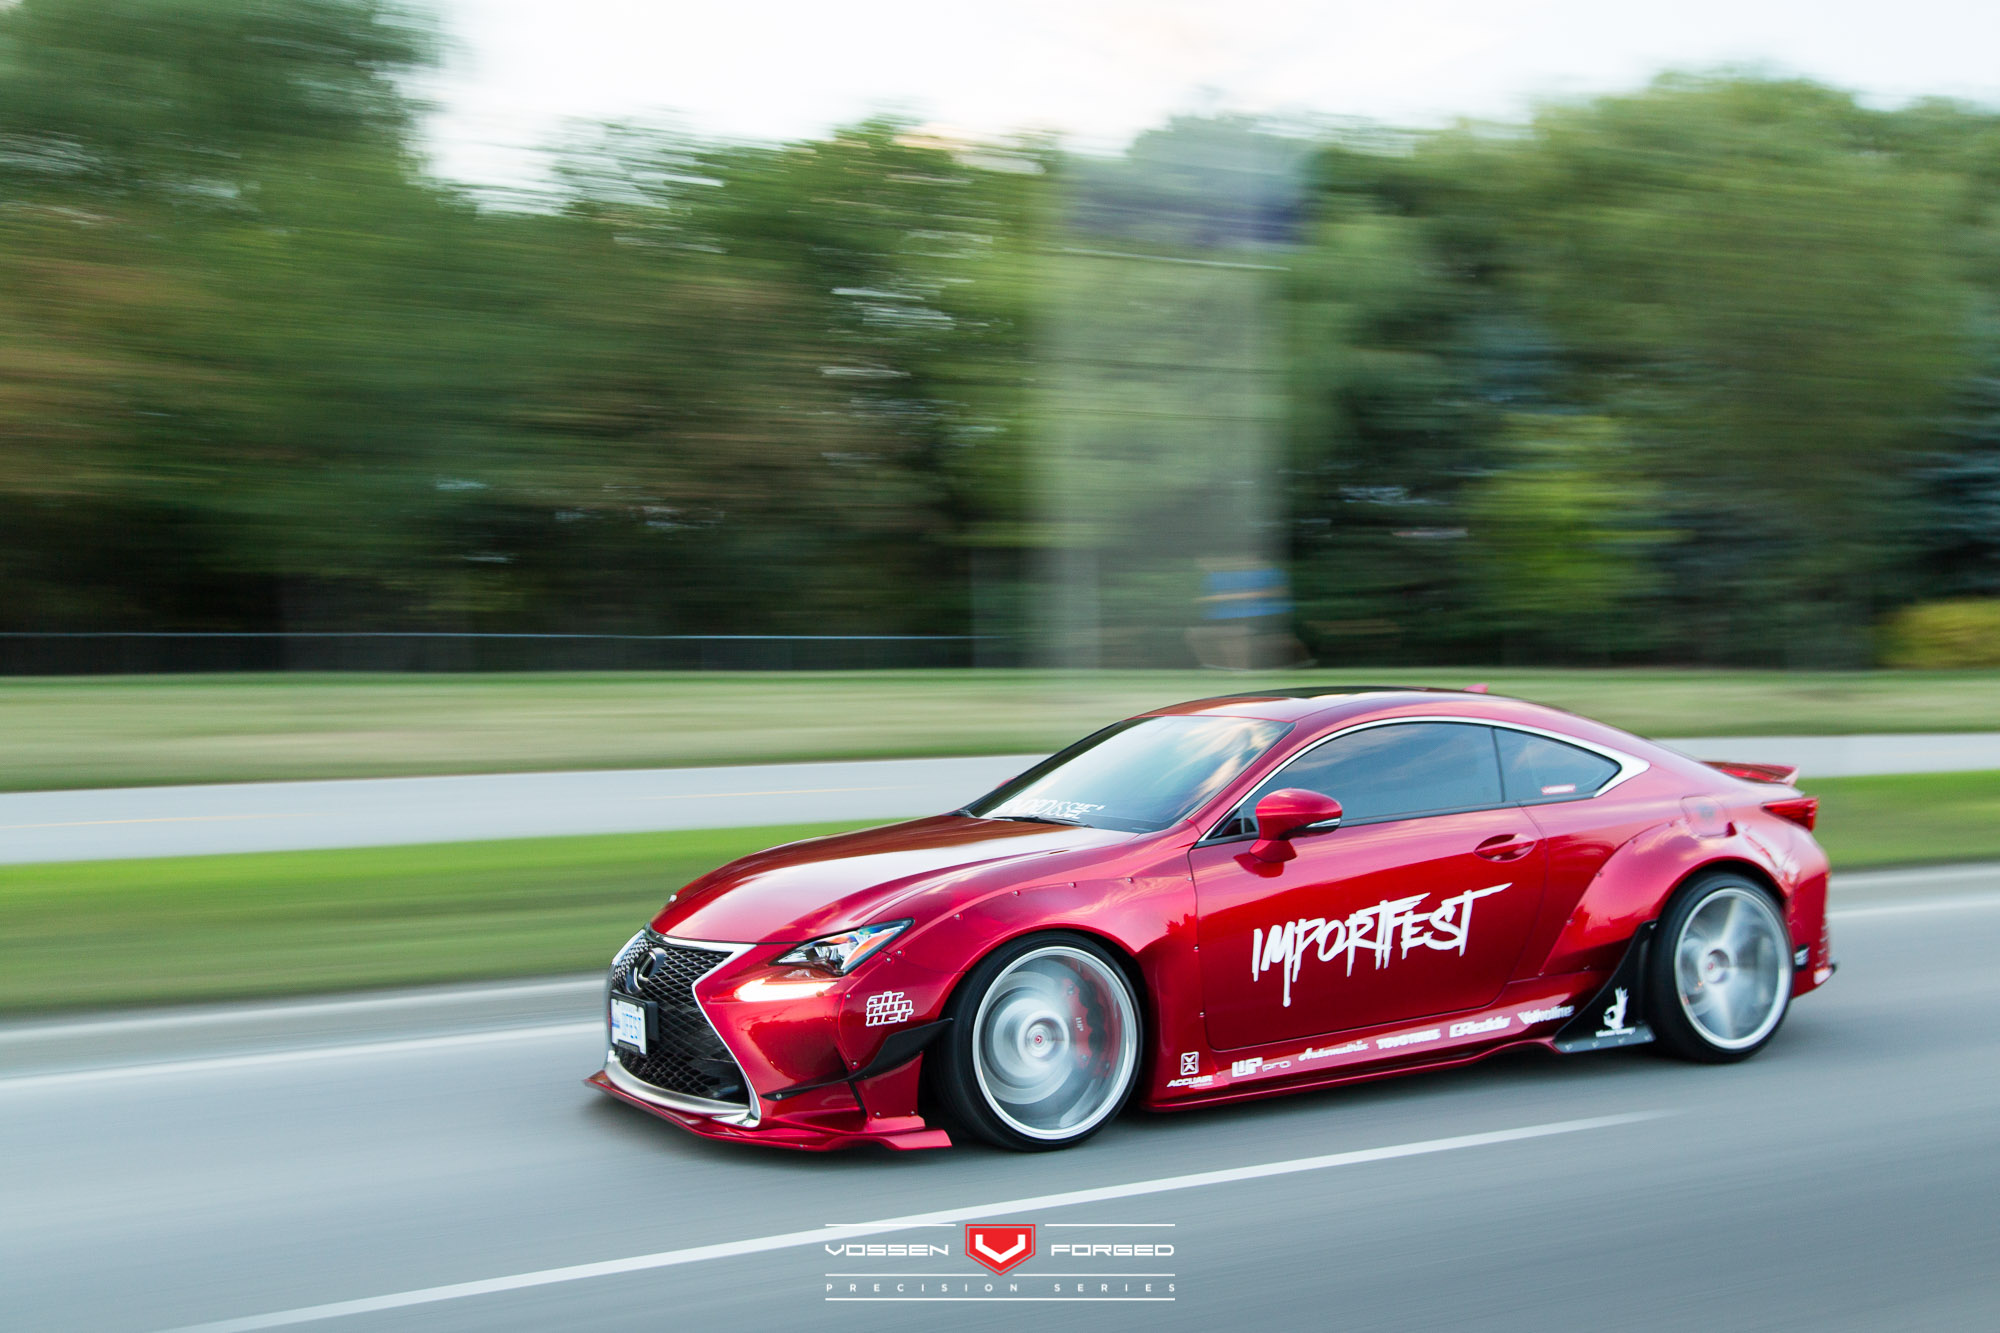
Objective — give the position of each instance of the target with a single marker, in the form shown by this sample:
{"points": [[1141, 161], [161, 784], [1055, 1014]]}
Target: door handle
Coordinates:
{"points": [[1506, 847]]}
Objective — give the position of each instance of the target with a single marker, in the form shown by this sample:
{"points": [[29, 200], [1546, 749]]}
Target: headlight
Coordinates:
{"points": [[842, 953]]}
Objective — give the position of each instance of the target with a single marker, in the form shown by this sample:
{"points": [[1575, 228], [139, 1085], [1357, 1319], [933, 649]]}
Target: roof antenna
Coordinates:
{"points": [[1480, 688]]}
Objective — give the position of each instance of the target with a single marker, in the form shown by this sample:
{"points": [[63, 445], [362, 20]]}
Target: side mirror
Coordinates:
{"points": [[1283, 815]]}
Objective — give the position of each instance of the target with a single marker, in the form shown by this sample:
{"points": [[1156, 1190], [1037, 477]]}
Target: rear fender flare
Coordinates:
{"points": [[1633, 886]]}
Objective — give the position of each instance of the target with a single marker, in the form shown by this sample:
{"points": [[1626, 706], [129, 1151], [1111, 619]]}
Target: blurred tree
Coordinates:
{"points": [[1676, 375], [1392, 341], [1558, 557], [1772, 305]]}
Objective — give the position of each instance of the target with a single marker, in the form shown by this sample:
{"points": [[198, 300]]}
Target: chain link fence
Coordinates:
{"points": [[34, 653]]}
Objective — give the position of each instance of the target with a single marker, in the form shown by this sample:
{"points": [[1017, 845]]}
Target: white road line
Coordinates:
{"points": [[1965, 902], [819, 1235], [173, 819], [787, 791], [429, 1001], [304, 1056]]}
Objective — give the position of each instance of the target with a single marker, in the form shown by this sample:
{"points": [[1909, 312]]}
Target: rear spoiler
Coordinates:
{"points": [[1782, 774]]}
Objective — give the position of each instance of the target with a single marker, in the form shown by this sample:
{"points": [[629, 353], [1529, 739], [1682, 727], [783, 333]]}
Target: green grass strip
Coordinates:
{"points": [[93, 933], [1908, 819], [112, 731]]}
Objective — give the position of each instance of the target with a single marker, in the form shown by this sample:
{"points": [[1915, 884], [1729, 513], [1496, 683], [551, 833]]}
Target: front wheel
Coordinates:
{"points": [[1720, 972], [1044, 1044]]}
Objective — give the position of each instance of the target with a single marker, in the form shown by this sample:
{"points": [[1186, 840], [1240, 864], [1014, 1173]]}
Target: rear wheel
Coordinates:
{"points": [[1720, 972], [1044, 1044]]}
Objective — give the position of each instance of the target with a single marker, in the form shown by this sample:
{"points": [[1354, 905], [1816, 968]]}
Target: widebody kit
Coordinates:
{"points": [[1227, 899]]}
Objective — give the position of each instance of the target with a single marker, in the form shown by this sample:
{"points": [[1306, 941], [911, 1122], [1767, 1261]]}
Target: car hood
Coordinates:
{"points": [[803, 890]]}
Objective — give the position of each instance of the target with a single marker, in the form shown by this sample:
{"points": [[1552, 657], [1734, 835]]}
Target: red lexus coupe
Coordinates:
{"points": [[1224, 899]]}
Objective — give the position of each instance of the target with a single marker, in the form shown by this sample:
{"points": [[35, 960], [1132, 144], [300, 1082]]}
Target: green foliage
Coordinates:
{"points": [[1964, 632], [1698, 373], [1559, 546]]}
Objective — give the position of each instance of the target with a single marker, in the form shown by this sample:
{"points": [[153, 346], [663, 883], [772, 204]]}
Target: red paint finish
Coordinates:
{"points": [[1402, 943], [1364, 926]]}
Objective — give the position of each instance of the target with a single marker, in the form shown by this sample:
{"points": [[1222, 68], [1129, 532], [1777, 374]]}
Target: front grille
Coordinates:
{"points": [[684, 1055]]}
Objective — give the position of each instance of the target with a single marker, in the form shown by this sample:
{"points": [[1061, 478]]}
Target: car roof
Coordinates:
{"points": [[1302, 703], [1322, 708]]}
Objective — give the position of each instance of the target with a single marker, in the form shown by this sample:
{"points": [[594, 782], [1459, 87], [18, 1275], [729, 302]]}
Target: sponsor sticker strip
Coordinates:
{"points": [[1471, 1027]]}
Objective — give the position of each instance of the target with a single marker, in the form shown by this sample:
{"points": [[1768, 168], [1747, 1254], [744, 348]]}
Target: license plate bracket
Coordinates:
{"points": [[633, 1022]]}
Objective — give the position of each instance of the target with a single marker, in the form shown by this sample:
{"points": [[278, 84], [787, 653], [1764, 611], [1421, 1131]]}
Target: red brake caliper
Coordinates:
{"points": [[1084, 1032]]}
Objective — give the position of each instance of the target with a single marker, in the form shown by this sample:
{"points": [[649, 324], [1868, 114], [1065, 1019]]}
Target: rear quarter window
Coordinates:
{"points": [[1536, 768]]}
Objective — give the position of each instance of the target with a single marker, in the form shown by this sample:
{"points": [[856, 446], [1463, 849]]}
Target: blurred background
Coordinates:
{"points": [[1701, 369], [470, 468]]}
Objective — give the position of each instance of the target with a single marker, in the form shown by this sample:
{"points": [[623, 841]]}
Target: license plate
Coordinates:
{"points": [[628, 1024]]}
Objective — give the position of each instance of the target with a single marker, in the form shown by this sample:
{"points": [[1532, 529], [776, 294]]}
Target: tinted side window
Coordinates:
{"points": [[1410, 768], [1539, 769]]}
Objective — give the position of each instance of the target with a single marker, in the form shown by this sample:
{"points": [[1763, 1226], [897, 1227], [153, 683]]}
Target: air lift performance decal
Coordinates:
{"points": [[1385, 932]]}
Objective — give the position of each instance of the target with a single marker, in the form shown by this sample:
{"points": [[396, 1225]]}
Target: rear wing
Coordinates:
{"points": [[1783, 775]]}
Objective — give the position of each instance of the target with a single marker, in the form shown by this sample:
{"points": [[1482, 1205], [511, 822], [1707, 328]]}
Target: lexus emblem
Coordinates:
{"points": [[648, 965]]}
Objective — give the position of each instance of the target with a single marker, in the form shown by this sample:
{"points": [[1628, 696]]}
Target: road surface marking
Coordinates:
{"points": [[486, 993], [1968, 902], [819, 1235], [789, 791], [306, 1055], [172, 819]]}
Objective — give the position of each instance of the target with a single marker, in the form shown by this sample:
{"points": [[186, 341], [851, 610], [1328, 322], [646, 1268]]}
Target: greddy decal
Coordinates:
{"points": [[1388, 930], [1493, 1024]]}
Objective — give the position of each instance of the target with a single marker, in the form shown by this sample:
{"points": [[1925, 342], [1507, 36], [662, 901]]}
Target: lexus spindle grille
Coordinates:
{"points": [[684, 1055]]}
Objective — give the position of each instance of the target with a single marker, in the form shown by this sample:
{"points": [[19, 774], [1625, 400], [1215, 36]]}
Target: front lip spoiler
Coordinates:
{"points": [[729, 1113]]}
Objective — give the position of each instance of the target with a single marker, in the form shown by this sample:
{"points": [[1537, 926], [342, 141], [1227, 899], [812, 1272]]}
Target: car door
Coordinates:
{"points": [[1417, 904]]}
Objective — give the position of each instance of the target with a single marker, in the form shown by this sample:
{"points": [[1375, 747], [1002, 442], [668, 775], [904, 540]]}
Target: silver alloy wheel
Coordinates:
{"points": [[1732, 968], [1055, 1042]]}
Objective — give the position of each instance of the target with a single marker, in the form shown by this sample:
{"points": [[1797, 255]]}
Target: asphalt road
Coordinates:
{"points": [[304, 1155], [281, 816]]}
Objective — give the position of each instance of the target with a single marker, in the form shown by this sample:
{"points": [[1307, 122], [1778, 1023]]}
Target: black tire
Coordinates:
{"points": [[1719, 972], [1044, 1046]]}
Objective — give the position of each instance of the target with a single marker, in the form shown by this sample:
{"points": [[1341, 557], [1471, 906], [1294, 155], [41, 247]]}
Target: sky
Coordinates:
{"points": [[519, 74]]}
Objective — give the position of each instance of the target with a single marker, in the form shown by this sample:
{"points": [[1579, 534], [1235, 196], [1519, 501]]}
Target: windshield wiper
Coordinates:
{"points": [[1042, 819]]}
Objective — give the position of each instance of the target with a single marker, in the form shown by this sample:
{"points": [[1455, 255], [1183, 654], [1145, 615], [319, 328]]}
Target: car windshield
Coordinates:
{"points": [[1136, 776]]}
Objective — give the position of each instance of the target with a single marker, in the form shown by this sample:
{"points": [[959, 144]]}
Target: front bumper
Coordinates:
{"points": [[726, 1026]]}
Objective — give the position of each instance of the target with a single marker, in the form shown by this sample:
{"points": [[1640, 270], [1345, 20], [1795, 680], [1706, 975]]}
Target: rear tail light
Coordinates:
{"points": [[1801, 810]]}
